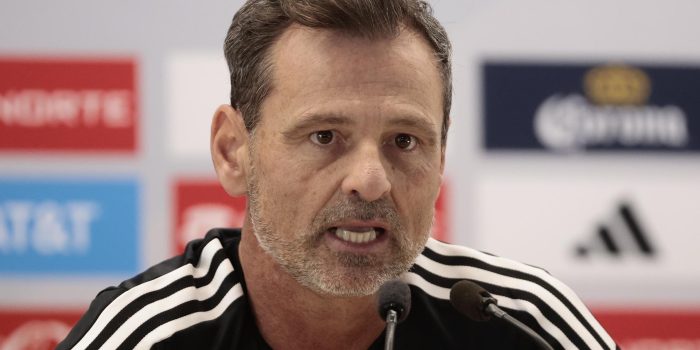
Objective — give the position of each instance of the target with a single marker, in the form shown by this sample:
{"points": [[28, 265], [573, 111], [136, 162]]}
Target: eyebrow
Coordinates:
{"points": [[312, 120], [416, 123]]}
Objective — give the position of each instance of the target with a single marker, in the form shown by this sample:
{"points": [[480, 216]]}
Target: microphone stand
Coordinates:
{"points": [[493, 309], [391, 317]]}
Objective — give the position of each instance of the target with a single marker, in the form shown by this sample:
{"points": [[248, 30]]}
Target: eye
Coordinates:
{"points": [[323, 137], [405, 142]]}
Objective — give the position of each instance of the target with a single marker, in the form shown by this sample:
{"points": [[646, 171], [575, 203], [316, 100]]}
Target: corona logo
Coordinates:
{"points": [[614, 113], [597, 107], [617, 85]]}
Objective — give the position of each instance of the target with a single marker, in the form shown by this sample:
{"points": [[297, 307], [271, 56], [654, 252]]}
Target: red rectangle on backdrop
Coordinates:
{"points": [[201, 205], [63, 104], [652, 329], [35, 330], [440, 229]]}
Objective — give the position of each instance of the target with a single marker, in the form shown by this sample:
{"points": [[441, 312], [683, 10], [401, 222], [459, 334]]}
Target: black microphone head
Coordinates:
{"points": [[394, 295], [471, 300]]}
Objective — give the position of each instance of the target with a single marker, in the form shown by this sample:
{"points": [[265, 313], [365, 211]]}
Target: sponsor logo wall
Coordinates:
{"points": [[586, 166], [59, 229], [626, 239]]}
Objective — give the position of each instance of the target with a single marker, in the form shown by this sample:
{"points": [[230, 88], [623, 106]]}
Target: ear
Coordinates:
{"points": [[229, 149]]}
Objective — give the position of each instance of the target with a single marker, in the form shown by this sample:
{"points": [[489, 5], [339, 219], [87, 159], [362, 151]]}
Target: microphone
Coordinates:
{"points": [[393, 304], [476, 303]]}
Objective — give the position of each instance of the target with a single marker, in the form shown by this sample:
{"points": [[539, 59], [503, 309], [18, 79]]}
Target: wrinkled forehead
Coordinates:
{"points": [[331, 53], [335, 41]]}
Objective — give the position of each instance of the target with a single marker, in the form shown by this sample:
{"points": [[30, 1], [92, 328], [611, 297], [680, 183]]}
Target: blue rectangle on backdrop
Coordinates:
{"points": [[68, 227], [590, 107]]}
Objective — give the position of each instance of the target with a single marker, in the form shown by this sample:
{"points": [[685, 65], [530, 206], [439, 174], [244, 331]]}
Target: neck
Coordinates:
{"points": [[291, 316]]}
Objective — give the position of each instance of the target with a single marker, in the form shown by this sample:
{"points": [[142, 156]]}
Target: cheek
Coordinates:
{"points": [[284, 183], [417, 192], [421, 176]]}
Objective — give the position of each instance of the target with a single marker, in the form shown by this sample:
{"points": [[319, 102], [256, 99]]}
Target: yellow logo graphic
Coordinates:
{"points": [[617, 85]]}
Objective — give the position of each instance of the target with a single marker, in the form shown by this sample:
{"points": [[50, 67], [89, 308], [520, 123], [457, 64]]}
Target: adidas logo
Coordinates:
{"points": [[622, 235]]}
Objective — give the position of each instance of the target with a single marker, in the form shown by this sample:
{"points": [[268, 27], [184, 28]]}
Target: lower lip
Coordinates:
{"points": [[337, 244]]}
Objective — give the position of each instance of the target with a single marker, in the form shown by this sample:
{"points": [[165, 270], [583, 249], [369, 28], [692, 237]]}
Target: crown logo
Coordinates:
{"points": [[617, 85]]}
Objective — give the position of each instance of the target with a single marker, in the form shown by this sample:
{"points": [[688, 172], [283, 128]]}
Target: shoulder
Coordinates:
{"points": [[527, 292], [174, 295]]}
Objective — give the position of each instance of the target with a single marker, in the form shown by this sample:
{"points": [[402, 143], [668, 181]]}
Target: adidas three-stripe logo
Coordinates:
{"points": [[623, 234]]}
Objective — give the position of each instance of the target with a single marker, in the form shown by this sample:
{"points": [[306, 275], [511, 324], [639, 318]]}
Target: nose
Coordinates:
{"points": [[367, 176]]}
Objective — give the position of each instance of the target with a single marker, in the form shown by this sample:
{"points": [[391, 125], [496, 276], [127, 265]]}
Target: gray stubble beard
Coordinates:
{"points": [[340, 274]]}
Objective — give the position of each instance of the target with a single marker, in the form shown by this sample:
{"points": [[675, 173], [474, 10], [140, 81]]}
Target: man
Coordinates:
{"points": [[336, 133]]}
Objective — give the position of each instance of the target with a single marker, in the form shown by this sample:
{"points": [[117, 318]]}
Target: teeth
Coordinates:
{"points": [[356, 237]]}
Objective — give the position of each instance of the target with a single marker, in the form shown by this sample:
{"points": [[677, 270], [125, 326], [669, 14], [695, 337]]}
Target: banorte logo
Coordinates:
{"points": [[67, 104], [613, 112]]}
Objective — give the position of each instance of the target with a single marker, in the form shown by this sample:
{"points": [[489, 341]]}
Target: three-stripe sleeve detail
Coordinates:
{"points": [[145, 313], [555, 309]]}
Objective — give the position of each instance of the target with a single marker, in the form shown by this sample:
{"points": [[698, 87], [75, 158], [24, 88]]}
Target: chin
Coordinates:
{"points": [[351, 281]]}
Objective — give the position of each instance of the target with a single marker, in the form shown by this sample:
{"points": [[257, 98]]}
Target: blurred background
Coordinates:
{"points": [[574, 146]]}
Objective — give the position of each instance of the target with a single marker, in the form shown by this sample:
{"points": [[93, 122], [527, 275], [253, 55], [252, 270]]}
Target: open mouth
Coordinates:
{"points": [[357, 235]]}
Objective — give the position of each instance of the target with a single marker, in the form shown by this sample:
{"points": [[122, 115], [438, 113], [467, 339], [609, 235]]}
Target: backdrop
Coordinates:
{"points": [[574, 146]]}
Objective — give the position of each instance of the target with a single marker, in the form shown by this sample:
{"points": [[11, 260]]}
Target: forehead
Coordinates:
{"points": [[301, 47], [323, 64]]}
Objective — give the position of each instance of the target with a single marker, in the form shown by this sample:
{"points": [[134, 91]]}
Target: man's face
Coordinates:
{"points": [[346, 162]]}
